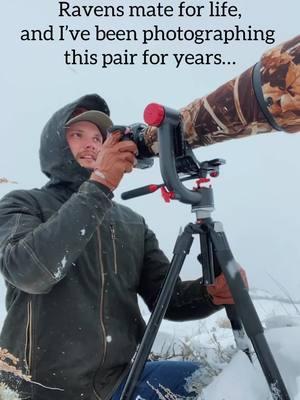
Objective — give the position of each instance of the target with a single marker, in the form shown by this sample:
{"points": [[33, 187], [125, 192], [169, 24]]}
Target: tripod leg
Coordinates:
{"points": [[211, 268], [182, 248], [240, 337], [246, 311]]}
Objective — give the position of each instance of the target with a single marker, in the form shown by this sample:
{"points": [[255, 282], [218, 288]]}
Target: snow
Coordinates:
{"points": [[60, 268], [7, 394], [233, 268], [251, 384], [227, 374]]}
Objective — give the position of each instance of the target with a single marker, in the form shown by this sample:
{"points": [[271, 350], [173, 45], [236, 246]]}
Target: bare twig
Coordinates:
{"points": [[285, 291], [5, 180]]}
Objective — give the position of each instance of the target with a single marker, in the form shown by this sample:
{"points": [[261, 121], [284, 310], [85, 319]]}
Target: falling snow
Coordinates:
{"points": [[60, 268]]}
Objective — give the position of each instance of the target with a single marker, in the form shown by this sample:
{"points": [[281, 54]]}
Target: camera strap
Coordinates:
{"points": [[256, 81]]}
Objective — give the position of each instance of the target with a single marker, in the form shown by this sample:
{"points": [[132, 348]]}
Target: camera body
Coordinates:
{"points": [[135, 132]]}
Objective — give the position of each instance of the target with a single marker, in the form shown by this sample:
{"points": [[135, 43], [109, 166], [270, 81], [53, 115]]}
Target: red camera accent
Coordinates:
{"points": [[154, 114], [167, 196], [153, 188], [200, 181]]}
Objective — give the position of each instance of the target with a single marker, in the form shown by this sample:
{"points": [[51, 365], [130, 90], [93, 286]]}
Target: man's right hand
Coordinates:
{"points": [[113, 160]]}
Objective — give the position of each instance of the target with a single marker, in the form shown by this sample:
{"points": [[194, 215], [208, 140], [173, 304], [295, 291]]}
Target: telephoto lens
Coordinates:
{"points": [[265, 98]]}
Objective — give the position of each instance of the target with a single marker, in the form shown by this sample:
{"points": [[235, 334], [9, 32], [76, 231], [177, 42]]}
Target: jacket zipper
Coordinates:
{"points": [[101, 305], [113, 237], [28, 339]]}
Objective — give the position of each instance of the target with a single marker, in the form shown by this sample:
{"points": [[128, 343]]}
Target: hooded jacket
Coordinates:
{"points": [[74, 262]]}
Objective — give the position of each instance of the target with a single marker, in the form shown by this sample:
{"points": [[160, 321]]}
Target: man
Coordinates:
{"points": [[74, 261]]}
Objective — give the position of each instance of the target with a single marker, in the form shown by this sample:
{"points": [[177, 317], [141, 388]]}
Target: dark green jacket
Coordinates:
{"points": [[74, 262]]}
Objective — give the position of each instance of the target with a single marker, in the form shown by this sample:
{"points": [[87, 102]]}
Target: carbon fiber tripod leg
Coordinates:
{"points": [[182, 248], [211, 269], [246, 311]]}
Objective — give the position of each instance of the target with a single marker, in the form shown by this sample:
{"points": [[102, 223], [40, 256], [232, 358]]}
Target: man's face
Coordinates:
{"points": [[85, 141]]}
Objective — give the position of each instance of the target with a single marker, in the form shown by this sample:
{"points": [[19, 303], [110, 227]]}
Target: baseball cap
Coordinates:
{"points": [[100, 119]]}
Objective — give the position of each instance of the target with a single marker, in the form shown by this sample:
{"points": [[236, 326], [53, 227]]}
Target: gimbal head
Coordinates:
{"points": [[177, 160]]}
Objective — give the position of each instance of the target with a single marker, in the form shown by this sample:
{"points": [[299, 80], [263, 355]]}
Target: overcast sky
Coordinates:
{"points": [[257, 195]]}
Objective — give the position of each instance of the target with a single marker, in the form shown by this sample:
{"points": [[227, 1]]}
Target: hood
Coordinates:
{"points": [[56, 159]]}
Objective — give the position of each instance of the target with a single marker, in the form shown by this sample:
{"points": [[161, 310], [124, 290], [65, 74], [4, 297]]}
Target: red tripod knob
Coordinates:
{"points": [[154, 114]]}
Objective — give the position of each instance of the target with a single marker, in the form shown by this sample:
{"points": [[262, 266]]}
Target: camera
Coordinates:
{"points": [[136, 133]]}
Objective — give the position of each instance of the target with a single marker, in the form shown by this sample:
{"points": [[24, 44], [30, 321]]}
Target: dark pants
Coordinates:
{"points": [[163, 380]]}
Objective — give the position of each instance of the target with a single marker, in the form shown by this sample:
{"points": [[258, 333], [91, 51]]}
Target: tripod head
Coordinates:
{"points": [[177, 161]]}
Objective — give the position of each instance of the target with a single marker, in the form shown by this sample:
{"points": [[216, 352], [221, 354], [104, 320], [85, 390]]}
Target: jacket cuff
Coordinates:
{"points": [[98, 200], [104, 188]]}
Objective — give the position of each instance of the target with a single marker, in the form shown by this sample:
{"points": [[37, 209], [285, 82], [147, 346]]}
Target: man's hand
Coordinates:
{"points": [[113, 160], [220, 291]]}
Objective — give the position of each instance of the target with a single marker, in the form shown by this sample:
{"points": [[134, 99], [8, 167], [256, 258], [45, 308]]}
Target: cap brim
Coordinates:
{"points": [[98, 118]]}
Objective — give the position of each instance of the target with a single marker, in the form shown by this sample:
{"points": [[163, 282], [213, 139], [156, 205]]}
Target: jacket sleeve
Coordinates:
{"points": [[35, 255], [190, 299]]}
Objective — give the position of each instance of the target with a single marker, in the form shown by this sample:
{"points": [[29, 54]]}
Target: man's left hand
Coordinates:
{"points": [[220, 291]]}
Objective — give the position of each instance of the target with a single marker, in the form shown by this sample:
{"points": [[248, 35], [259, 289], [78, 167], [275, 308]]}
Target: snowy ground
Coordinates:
{"points": [[227, 374]]}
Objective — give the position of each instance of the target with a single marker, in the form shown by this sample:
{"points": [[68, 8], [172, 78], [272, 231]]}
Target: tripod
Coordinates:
{"points": [[216, 257]]}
